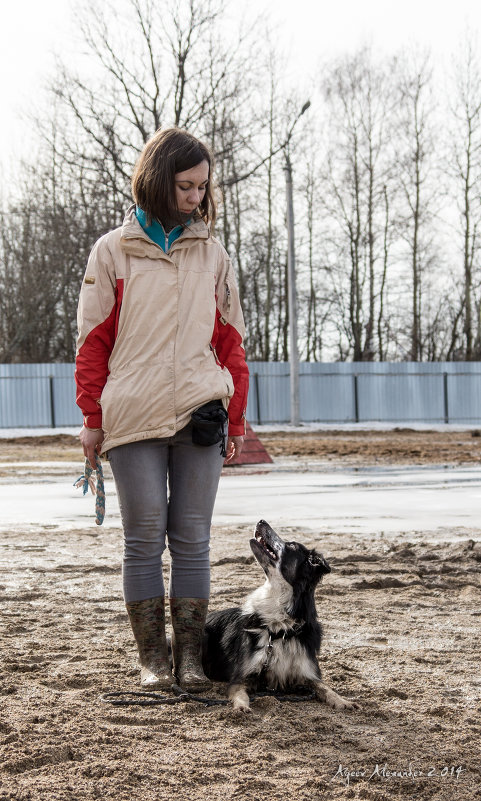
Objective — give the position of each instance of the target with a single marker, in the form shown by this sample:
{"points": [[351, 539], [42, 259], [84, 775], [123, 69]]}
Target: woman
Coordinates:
{"points": [[160, 335]]}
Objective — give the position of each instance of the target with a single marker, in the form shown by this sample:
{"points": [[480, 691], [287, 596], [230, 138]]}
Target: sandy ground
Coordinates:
{"points": [[396, 446], [401, 618]]}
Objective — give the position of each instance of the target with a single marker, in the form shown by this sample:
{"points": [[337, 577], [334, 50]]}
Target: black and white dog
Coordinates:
{"points": [[273, 640]]}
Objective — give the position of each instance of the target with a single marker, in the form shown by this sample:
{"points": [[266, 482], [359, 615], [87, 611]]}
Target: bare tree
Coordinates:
{"points": [[151, 65], [466, 150], [359, 97], [154, 66], [419, 188], [372, 281]]}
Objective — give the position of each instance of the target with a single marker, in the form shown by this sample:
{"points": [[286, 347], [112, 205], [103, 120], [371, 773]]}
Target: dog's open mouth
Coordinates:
{"points": [[266, 547]]}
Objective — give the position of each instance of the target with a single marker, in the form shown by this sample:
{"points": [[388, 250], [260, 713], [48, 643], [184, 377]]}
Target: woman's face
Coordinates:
{"points": [[190, 187]]}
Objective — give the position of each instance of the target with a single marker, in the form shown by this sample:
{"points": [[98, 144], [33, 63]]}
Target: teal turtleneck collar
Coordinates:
{"points": [[156, 231]]}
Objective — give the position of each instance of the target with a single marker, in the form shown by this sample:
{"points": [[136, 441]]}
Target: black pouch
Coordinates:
{"points": [[209, 425]]}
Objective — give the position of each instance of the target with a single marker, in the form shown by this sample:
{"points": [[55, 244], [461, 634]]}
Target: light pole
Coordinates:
{"points": [[291, 279], [292, 298]]}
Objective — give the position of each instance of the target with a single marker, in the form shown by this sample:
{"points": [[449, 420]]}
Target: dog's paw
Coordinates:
{"points": [[333, 699], [240, 700], [339, 703], [240, 710]]}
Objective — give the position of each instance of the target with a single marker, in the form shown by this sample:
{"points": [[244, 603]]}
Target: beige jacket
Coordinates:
{"points": [[159, 334]]}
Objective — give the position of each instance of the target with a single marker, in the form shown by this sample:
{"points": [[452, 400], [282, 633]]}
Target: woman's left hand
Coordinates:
{"points": [[234, 447]]}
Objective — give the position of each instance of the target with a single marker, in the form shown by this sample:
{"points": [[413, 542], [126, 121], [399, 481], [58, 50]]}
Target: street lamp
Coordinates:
{"points": [[291, 278]]}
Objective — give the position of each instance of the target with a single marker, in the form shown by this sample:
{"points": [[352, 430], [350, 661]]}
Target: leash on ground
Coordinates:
{"points": [[137, 698]]}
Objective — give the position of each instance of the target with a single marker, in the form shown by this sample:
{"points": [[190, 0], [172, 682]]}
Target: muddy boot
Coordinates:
{"points": [[147, 619], [188, 621]]}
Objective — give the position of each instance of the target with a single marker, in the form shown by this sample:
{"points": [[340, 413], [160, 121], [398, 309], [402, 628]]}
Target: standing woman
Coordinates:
{"points": [[160, 335]]}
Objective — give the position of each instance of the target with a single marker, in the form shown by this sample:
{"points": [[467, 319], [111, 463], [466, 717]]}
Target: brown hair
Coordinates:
{"points": [[166, 153]]}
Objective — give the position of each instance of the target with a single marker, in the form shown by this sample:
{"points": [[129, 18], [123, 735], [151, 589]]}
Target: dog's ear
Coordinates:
{"points": [[317, 560]]}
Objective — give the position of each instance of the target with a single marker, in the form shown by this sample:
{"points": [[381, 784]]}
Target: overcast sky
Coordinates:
{"points": [[33, 30]]}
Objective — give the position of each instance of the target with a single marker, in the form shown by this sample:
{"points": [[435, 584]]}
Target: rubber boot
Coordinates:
{"points": [[188, 621], [147, 619]]}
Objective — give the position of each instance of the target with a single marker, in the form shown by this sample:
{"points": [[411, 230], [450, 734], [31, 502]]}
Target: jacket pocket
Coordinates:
{"points": [[137, 400]]}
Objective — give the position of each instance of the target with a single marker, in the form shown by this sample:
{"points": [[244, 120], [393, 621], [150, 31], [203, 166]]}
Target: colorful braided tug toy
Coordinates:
{"points": [[97, 489]]}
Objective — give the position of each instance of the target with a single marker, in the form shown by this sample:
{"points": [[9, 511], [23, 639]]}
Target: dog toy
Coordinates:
{"points": [[98, 489]]}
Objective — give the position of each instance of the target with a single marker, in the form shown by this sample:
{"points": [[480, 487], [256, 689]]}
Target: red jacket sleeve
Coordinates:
{"points": [[97, 318], [228, 344]]}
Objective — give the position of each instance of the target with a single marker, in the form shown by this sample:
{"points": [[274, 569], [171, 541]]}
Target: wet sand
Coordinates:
{"points": [[401, 617]]}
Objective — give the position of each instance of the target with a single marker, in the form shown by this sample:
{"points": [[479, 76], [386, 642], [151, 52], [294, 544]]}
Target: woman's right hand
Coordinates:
{"points": [[91, 439]]}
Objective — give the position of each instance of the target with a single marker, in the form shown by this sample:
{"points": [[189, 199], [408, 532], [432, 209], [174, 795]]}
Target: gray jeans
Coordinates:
{"points": [[166, 490]]}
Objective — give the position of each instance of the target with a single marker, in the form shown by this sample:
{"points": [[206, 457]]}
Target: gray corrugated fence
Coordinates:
{"points": [[350, 392], [35, 395]]}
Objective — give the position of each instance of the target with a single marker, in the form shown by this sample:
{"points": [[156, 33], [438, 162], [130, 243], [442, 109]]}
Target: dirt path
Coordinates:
{"points": [[397, 446], [401, 618]]}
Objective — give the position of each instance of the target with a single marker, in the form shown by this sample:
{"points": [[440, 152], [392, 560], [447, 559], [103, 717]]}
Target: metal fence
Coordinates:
{"points": [[351, 392], [38, 395]]}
